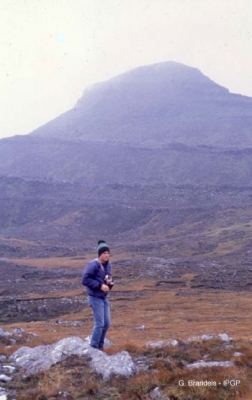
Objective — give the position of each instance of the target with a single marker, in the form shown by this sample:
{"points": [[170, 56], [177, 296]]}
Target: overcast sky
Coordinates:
{"points": [[50, 50]]}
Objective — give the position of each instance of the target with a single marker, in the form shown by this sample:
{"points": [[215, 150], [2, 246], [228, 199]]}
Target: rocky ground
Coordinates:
{"points": [[40, 294], [178, 370], [181, 262]]}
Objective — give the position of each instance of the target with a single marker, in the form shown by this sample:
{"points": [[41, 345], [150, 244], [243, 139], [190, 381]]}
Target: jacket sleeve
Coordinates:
{"points": [[89, 277]]}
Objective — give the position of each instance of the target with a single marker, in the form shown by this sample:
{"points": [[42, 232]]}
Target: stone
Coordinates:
{"points": [[222, 336], [172, 342], [3, 394], [156, 394], [41, 358], [18, 331], [203, 363], [9, 369], [118, 364], [5, 378], [156, 344], [139, 328], [4, 334]]}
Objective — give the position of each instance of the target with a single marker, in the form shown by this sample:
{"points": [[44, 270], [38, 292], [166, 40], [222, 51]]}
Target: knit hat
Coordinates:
{"points": [[102, 247]]}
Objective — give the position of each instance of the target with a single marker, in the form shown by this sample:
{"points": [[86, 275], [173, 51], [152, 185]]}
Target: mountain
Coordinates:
{"points": [[157, 160], [165, 124], [156, 105]]}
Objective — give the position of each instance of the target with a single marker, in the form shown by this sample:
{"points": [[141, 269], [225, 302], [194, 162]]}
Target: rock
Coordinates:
{"points": [[222, 336], [141, 363], [65, 395], [18, 331], [4, 334], [3, 394], [156, 394], [139, 328], [5, 378], [156, 344], [202, 363], [171, 342], [40, 358], [118, 364], [8, 369]]}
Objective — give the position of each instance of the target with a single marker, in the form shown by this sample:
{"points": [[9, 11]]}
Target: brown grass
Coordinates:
{"points": [[166, 313], [73, 376]]}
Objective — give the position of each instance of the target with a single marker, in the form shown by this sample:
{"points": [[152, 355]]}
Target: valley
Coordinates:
{"points": [[158, 163]]}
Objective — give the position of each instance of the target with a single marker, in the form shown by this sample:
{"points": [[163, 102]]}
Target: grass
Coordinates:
{"points": [[166, 370], [165, 313], [166, 316], [178, 311]]}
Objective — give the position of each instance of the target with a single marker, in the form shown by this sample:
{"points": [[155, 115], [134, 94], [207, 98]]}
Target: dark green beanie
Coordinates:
{"points": [[102, 247]]}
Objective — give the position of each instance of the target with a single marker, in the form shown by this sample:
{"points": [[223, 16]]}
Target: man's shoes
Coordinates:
{"points": [[98, 348]]}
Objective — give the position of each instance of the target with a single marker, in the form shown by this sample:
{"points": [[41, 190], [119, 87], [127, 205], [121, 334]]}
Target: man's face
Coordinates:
{"points": [[104, 257]]}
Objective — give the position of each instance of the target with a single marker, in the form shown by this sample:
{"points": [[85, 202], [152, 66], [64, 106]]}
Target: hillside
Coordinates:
{"points": [[158, 162], [161, 124], [157, 105], [66, 183], [90, 164], [42, 219]]}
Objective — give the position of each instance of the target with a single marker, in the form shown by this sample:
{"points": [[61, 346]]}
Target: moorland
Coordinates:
{"points": [[173, 200]]}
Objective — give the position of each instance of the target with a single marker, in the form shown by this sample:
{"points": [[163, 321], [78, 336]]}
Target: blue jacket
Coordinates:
{"points": [[93, 278]]}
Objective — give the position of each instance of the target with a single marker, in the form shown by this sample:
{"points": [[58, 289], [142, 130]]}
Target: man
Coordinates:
{"points": [[98, 281]]}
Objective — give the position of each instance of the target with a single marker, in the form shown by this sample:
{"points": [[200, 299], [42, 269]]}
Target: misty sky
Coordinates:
{"points": [[52, 49]]}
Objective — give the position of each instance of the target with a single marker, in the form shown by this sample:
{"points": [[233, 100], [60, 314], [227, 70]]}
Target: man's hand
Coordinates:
{"points": [[104, 288]]}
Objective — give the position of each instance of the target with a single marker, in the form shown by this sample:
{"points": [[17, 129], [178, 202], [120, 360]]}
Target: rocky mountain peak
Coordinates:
{"points": [[161, 104]]}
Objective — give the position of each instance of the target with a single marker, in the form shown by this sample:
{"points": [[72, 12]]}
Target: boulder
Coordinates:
{"points": [[118, 364], [41, 358]]}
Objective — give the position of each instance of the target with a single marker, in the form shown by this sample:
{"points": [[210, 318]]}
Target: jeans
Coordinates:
{"points": [[101, 314]]}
